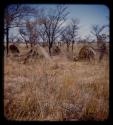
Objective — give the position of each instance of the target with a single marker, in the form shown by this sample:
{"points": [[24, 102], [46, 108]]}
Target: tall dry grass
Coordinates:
{"points": [[63, 90]]}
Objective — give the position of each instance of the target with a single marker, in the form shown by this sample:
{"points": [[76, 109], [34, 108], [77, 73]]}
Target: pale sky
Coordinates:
{"points": [[87, 14]]}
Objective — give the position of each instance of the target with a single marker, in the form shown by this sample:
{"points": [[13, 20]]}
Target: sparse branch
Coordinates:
{"points": [[98, 32]]}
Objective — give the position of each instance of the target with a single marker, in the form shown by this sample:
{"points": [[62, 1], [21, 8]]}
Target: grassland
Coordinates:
{"points": [[56, 91]]}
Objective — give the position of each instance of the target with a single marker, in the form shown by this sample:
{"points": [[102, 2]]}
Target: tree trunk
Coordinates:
{"points": [[31, 44], [99, 42], [67, 47], [50, 47], [72, 47], [7, 40], [50, 50], [26, 44]]}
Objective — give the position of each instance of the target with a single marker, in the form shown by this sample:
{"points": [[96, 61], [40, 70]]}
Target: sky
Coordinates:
{"points": [[88, 15]]}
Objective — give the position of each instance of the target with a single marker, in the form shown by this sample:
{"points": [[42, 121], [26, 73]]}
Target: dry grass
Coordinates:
{"points": [[64, 90]]}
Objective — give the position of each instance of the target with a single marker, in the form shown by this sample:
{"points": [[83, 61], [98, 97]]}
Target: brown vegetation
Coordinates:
{"points": [[103, 51], [57, 91], [45, 83], [86, 53], [14, 49], [56, 50]]}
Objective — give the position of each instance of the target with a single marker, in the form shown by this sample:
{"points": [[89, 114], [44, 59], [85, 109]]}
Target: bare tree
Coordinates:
{"points": [[23, 35], [66, 37], [42, 34], [70, 33], [30, 32], [73, 30], [13, 14], [101, 37], [97, 31], [52, 24]]}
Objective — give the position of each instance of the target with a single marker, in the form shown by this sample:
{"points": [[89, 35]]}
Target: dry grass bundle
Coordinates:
{"points": [[86, 53], [14, 49]]}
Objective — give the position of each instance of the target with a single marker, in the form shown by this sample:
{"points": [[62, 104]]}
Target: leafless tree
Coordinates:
{"points": [[23, 36], [13, 14], [70, 33], [97, 31], [52, 22], [74, 30], [66, 37], [41, 28], [30, 32]]}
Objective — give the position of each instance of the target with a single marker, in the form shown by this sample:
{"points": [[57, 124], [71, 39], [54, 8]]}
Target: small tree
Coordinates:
{"points": [[23, 36], [101, 37], [65, 37], [97, 31], [74, 30], [30, 32], [70, 33]]}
